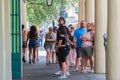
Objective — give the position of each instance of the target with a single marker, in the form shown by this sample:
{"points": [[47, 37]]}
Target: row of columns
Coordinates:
{"points": [[96, 12], [5, 41], [88, 13], [86, 10], [105, 15], [81, 11]]}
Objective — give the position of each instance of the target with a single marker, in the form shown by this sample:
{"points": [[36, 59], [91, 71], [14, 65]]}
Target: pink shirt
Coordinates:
{"points": [[87, 35]]}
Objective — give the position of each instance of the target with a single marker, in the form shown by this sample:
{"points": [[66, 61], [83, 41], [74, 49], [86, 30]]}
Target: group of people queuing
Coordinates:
{"points": [[64, 45], [33, 37], [74, 46]]}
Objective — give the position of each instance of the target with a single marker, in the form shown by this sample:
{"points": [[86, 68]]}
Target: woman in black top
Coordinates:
{"points": [[62, 43], [62, 49]]}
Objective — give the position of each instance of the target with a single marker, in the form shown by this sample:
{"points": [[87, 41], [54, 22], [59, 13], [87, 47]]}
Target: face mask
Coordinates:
{"points": [[89, 30]]}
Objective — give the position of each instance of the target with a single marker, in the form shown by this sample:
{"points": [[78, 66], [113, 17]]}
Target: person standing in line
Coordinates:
{"points": [[87, 48], [54, 57], [61, 25], [24, 43], [72, 52], [48, 45], [63, 51], [93, 31], [78, 43]]}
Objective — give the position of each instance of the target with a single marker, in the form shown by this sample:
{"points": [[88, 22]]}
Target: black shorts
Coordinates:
{"points": [[79, 52], [63, 52], [24, 44]]}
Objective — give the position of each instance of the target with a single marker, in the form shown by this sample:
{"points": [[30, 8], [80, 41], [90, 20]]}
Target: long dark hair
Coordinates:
{"points": [[64, 31], [33, 32]]}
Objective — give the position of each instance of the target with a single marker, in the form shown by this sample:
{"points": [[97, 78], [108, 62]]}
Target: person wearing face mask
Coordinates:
{"points": [[87, 48]]}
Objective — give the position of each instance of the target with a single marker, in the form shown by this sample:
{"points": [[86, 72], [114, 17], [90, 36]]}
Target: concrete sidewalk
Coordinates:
{"points": [[39, 71]]}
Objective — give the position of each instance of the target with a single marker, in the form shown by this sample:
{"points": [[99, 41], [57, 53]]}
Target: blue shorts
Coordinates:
{"points": [[47, 47], [33, 43], [38, 43]]}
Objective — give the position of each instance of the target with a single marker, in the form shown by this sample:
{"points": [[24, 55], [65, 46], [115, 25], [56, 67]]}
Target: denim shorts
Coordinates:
{"points": [[33, 43], [47, 47]]}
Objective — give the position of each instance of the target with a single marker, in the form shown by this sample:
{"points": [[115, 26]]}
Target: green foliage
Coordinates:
{"points": [[38, 11]]}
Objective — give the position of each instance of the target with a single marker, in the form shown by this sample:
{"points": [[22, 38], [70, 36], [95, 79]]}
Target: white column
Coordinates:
{"points": [[2, 42], [113, 45], [24, 14], [5, 53], [89, 10], [81, 13], [7, 39], [83, 9], [100, 29]]}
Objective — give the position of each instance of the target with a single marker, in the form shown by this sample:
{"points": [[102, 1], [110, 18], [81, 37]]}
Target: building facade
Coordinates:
{"points": [[105, 15]]}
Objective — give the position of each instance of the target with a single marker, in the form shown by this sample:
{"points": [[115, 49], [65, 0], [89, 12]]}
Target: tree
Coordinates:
{"points": [[38, 11]]}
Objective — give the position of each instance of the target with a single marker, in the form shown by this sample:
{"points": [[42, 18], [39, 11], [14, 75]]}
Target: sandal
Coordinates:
{"points": [[75, 70], [82, 70]]}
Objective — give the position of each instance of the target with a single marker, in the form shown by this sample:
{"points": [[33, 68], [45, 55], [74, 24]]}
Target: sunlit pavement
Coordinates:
{"points": [[39, 71]]}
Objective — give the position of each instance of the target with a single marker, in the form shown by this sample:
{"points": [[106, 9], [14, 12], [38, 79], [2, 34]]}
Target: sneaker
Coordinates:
{"points": [[58, 73], [63, 76], [33, 61], [30, 61], [68, 73]]}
